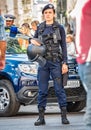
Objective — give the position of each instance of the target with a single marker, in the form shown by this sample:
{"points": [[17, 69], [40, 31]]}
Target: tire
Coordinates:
{"points": [[9, 105], [76, 106]]}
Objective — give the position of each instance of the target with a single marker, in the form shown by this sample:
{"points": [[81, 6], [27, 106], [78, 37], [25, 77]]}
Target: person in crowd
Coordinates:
{"points": [[52, 35], [10, 28], [34, 25], [23, 37], [69, 30], [83, 46], [71, 49]]}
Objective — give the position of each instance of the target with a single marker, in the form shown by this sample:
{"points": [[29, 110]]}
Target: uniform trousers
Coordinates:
{"points": [[51, 69]]}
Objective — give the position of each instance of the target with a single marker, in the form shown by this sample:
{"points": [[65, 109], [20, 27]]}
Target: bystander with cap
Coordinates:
{"points": [[10, 29]]}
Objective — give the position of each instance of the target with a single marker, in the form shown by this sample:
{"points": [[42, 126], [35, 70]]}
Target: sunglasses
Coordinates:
{"points": [[9, 16]]}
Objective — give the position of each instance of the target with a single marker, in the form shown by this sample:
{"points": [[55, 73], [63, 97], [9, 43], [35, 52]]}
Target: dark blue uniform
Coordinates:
{"points": [[52, 68], [53, 38]]}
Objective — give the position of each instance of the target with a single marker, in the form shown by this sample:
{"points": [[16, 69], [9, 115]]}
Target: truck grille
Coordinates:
{"points": [[73, 68]]}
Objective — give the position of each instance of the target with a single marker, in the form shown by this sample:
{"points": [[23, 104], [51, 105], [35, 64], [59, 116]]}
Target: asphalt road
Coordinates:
{"points": [[27, 115]]}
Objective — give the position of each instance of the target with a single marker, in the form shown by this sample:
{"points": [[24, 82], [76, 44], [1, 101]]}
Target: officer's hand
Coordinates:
{"points": [[35, 42], [64, 68]]}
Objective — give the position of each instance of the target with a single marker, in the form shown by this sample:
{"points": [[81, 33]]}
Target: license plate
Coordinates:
{"points": [[73, 84]]}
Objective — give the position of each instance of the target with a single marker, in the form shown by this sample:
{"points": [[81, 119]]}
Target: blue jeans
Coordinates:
{"points": [[85, 74], [53, 69]]}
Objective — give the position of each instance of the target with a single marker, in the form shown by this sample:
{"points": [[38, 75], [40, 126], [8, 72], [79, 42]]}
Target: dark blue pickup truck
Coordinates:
{"points": [[19, 86]]}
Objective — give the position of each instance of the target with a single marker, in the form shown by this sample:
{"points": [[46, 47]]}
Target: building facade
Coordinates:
{"points": [[28, 10]]}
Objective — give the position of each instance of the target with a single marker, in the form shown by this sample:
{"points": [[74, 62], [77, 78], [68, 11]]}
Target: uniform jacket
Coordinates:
{"points": [[48, 30]]}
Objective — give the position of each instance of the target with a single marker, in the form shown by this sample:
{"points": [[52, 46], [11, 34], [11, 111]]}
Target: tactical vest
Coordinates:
{"points": [[51, 41]]}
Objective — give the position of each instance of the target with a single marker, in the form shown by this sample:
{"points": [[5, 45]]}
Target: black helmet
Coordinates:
{"points": [[36, 53]]}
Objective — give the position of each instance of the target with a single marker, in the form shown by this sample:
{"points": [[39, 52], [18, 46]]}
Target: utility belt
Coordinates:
{"points": [[53, 57]]}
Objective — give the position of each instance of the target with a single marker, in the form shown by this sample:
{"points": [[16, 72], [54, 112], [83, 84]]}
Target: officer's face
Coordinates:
{"points": [[49, 15]]}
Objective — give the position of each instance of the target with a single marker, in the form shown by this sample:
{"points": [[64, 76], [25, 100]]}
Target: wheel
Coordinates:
{"points": [[76, 106], [9, 106]]}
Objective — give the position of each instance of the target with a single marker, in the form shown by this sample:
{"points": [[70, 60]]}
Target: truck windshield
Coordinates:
{"points": [[16, 46]]}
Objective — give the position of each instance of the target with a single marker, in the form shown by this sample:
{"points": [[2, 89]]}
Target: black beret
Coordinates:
{"points": [[48, 6], [9, 17]]}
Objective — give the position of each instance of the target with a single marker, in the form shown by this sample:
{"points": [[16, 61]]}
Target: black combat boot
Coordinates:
{"points": [[64, 116], [41, 120]]}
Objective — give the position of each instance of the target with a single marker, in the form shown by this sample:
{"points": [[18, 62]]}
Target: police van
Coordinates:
{"points": [[19, 85]]}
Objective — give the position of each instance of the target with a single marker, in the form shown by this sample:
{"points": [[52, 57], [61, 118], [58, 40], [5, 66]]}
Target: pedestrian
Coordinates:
{"points": [[83, 46], [71, 50], [34, 25], [52, 35], [25, 29], [69, 30], [2, 43], [23, 37], [10, 28]]}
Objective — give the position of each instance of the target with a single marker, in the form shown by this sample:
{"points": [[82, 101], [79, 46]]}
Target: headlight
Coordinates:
{"points": [[77, 69], [28, 68]]}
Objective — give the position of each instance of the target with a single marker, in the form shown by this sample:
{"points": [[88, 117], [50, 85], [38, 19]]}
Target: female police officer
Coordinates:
{"points": [[52, 35]]}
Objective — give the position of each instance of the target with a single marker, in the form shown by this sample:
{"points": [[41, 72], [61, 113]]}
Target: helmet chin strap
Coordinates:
{"points": [[34, 59]]}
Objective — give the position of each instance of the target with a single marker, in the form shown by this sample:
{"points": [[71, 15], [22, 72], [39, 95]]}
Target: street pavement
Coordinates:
{"points": [[27, 115]]}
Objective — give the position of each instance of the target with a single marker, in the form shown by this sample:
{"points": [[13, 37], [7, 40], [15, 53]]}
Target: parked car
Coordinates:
{"points": [[19, 85]]}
